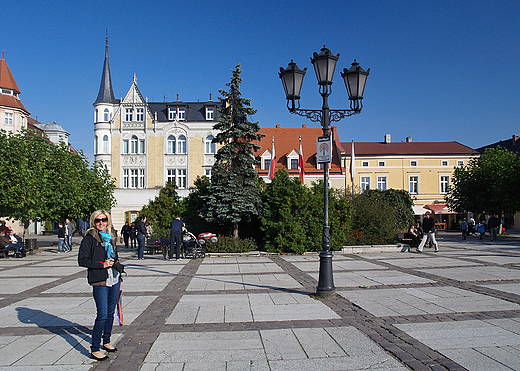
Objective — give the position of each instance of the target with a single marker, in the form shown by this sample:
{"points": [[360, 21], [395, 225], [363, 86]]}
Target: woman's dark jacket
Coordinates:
{"points": [[92, 255]]}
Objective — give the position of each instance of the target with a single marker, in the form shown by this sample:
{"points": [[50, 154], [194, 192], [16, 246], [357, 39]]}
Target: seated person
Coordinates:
{"points": [[15, 242]]}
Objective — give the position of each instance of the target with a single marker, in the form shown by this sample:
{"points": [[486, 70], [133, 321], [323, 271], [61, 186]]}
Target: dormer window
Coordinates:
{"points": [[210, 113], [182, 113], [172, 113], [177, 113]]}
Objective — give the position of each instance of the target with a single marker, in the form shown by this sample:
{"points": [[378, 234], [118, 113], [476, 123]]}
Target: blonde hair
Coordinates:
{"points": [[96, 213]]}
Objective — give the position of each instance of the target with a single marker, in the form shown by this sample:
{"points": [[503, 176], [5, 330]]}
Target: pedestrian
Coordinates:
{"points": [[61, 239], [69, 231], [482, 230], [472, 226], [125, 232], [428, 233], [464, 228], [493, 224], [98, 254], [133, 235], [141, 237], [176, 229]]}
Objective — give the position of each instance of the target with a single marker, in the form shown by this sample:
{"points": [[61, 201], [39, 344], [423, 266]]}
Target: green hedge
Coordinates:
{"points": [[227, 244]]}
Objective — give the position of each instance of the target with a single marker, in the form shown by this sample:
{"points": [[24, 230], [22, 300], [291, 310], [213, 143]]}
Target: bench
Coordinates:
{"points": [[406, 238], [152, 247]]}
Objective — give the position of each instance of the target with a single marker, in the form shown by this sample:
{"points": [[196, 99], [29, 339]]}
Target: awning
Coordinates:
{"points": [[439, 209], [419, 210]]}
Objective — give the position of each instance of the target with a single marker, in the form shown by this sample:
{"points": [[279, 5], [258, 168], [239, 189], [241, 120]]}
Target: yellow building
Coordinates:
{"points": [[146, 144], [424, 169]]}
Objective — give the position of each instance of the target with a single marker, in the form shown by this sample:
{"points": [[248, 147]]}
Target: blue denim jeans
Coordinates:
{"points": [[62, 245], [140, 249], [106, 300]]}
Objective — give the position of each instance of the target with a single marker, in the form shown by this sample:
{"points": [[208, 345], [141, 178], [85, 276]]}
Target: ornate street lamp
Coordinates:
{"points": [[355, 79]]}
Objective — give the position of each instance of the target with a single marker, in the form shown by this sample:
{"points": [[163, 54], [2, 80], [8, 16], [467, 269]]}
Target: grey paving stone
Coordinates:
{"points": [[475, 273]]}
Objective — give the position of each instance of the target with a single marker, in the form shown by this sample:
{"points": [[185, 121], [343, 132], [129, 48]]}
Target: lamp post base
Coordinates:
{"points": [[326, 281]]}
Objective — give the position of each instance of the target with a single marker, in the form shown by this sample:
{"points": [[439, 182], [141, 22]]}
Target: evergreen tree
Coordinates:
{"points": [[234, 195]]}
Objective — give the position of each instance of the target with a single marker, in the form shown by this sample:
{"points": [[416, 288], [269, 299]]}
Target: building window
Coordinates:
{"points": [[95, 145], [209, 145], [381, 163], [364, 163], [96, 116], [414, 184], [129, 114], [105, 144], [365, 183], [125, 146], [445, 184], [171, 144], [141, 178], [131, 216], [181, 178], [170, 176], [181, 144], [140, 114], [294, 164], [133, 145], [208, 173], [413, 163], [182, 113], [173, 114], [8, 118], [460, 163], [141, 146], [267, 163], [105, 114], [210, 113], [381, 183], [133, 178], [125, 178], [444, 163]]}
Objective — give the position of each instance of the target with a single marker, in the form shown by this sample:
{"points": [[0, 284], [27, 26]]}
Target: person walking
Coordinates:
{"points": [[493, 224], [141, 237], [125, 232], [429, 233], [69, 231], [133, 235], [61, 239], [464, 228], [98, 254], [176, 228]]}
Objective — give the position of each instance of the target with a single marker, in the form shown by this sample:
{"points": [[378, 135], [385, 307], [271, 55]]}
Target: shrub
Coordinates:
{"points": [[48, 225], [227, 244]]}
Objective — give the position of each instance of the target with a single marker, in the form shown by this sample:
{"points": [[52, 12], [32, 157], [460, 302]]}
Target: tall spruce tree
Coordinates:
{"points": [[234, 195]]}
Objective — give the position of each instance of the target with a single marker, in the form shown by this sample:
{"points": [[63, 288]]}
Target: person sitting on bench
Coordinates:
{"points": [[16, 243]]}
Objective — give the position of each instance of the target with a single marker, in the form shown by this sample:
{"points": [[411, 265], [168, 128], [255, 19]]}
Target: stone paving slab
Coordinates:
{"points": [[130, 284], [242, 282], [481, 273], [429, 262], [373, 278], [338, 266], [513, 288]]}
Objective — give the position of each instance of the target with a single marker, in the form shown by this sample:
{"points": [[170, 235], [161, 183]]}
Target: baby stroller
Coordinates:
{"points": [[191, 247]]}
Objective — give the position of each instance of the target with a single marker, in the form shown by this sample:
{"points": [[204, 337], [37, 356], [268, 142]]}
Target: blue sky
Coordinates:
{"points": [[440, 70]]}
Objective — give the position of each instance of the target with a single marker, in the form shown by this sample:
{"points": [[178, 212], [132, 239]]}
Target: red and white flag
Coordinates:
{"points": [[301, 164], [352, 164], [272, 163]]}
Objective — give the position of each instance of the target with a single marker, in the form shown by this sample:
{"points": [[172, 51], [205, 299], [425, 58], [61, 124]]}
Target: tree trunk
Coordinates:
{"points": [[235, 230]]}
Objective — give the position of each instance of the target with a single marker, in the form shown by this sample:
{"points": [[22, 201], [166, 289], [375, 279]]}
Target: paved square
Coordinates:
{"points": [[373, 278], [242, 282], [425, 300], [482, 273]]}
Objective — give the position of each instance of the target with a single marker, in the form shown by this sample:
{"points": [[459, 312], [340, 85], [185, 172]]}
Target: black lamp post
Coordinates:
{"points": [[355, 80]]}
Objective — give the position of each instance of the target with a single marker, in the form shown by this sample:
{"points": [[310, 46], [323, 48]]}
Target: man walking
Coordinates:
{"points": [[464, 228], [493, 224], [69, 231], [125, 232], [176, 228], [141, 237], [429, 233]]}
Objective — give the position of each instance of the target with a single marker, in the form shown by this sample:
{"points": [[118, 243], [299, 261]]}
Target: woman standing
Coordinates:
{"points": [[98, 254]]}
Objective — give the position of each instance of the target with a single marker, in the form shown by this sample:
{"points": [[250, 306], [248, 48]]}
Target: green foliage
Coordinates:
{"points": [[161, 211], [487, 184], [233, 195], [228, 244], [401, 203], [293, 219], [40, 180], [48, 225]]}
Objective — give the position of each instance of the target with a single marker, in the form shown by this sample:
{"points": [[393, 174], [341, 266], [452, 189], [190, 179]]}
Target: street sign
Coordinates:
{"points": [[324, 150]]}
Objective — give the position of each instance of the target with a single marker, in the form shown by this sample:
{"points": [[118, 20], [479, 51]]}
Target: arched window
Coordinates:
{"points": [[105, 114], [209, 145], [105, 144], [171, 144], [133, 144], [95, 145], [181, 144]]}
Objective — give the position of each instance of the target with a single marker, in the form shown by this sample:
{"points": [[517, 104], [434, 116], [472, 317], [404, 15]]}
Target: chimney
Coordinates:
{"points": [[388, 139], [408, 139], [278, 126], [304, 126], [516, 138]]}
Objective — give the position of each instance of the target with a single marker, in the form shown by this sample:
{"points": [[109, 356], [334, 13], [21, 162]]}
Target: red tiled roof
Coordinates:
{"points": [[407, 148], [287, 139], [6, 78]]}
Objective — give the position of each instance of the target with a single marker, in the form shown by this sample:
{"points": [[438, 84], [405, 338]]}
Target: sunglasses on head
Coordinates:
{"points": [[99, 220]]}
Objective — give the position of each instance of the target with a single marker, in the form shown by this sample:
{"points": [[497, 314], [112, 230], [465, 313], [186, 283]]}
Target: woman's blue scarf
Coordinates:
{"points": [[107, 239]]}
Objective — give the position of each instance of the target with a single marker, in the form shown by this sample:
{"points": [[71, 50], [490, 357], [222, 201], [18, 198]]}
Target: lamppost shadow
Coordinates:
{"points": [[56, 325]]}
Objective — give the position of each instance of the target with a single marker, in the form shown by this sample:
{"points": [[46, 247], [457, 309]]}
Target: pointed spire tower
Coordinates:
{"points": [[104, 108], [15, 113]]}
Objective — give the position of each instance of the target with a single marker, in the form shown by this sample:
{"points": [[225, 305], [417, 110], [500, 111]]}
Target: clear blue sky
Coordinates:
{"points": [[440, 70]]}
